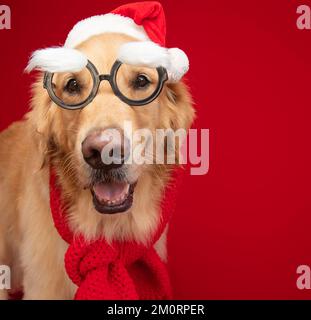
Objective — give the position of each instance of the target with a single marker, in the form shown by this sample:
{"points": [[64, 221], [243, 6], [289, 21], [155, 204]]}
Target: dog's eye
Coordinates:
{"points": [[72, 86], [141, 82]]}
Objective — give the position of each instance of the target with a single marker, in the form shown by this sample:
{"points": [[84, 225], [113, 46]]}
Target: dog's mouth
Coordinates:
{"points": [[113, 196]]}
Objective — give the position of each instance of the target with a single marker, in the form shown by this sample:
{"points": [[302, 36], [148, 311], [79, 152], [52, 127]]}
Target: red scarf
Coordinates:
{"points": [[123, 270]]}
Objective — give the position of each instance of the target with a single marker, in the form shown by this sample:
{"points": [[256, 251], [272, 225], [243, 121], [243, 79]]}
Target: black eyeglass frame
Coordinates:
{"points": [[97, 79]]}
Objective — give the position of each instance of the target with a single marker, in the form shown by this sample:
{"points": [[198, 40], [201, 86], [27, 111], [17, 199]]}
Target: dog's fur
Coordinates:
{"points": [[29, 242]]}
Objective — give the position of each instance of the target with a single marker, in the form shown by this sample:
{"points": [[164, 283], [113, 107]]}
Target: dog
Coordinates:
{"points": [[29, 242]]}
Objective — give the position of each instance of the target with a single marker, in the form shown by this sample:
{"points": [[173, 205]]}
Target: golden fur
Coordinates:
{"points": [[29, 242]]}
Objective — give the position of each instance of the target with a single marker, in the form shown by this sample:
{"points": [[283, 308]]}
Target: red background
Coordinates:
{"points": [[241, 230]]}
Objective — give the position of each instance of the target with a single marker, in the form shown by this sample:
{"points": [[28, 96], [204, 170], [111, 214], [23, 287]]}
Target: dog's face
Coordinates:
{"points": [[119, 199]]}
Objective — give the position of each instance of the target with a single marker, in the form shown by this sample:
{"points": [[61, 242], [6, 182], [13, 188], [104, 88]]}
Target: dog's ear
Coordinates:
{"points": [[179, 106], [40, 118], [177, 113]]}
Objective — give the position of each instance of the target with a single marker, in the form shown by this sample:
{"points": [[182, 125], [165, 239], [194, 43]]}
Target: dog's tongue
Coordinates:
{"points": [[111, 192]]}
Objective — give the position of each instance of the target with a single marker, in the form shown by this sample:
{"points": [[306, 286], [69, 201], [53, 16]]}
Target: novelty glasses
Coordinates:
{"points": [[134, 85]]}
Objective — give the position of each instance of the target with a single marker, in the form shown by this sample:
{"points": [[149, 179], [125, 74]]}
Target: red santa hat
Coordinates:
{"points": [[144, 21]]}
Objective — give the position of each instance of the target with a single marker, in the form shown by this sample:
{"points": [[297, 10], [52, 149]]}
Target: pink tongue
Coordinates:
{"points": [[111, 191]]}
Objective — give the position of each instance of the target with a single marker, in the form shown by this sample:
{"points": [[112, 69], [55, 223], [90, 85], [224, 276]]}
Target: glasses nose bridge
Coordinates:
{"points": [[103, 77]]}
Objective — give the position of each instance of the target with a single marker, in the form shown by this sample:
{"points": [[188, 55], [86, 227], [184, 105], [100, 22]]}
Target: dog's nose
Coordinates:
{"points": [[105, 149]]}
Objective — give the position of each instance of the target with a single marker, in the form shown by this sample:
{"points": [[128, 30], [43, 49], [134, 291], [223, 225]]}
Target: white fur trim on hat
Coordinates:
{"points": [[179, 64], [57, 59], [149, 54], [141, 53], [109, 22]]}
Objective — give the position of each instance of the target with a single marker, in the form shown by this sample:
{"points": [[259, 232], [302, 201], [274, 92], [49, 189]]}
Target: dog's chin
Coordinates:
{"points": [[113, 197]]}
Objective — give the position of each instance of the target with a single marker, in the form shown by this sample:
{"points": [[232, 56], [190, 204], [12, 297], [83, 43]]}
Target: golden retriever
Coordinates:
{"points": [[29, 242]]}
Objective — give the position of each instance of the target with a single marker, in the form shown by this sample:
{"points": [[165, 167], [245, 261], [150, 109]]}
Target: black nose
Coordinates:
{"points": [[95, 142]]}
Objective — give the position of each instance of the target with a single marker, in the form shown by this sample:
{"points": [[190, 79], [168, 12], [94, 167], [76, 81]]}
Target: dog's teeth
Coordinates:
{"points": [[116, 201]]}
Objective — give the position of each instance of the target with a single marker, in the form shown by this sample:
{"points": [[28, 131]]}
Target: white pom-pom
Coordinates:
{"points": [[179, 64], [57, 59]]}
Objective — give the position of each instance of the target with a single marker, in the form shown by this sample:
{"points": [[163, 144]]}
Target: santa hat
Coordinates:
{"points": [[144, 21]]}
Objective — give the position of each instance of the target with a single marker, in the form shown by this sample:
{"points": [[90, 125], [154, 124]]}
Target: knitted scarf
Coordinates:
{"points": [[121, 270]]}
